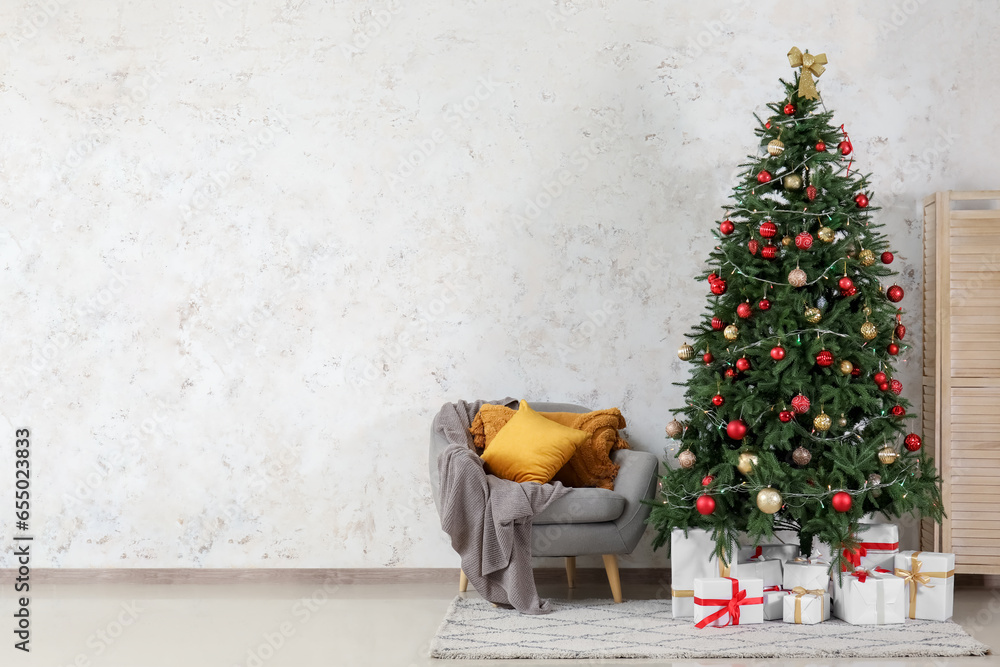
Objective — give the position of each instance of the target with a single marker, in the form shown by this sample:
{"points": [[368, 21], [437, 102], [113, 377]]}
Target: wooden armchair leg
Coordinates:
{"points": [[611, 567], [463, 581], [571, 571]]}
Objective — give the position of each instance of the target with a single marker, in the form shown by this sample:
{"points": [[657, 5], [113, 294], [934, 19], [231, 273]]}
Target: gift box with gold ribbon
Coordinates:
{"points": [[869, 597], [806, 607], [930, 581], [692, 556], [722, 601]]}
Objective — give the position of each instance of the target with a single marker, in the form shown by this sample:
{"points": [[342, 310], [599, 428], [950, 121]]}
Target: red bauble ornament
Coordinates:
{"points": [[764, 177], [718, 324], [706, 480], [705, 504], [708, 358], [896, 386], [718, 400], [803, 240], [894, 294], [880, 377], [789, 109], [841, 501], [727, 227], [887, 257], [764, 304], [768, 229], [712, 277], [900, 331], [744, 310], [820, 147], [786, 416], [777, 353], [768, 125], [856, 372], [730, 373], [898, 411], [769, 251], [736, 429], [845, 284], [845, 147], [861, 200], [912, 442], [743, 364], [718, 287], [753, 246], [811, 192], [883, 386], [824, 358], [893, 349], [849, 292], [800, 404]]}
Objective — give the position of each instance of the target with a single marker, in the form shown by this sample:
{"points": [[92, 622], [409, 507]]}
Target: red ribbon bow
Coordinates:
{"points": [[758, 553], [771, 588], [863, 574], [730, 606], [854, 557]]}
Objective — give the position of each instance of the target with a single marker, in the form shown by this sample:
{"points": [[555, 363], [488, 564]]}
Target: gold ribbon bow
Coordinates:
{"points": [[811, 66], [914, 577], [799, 592]]}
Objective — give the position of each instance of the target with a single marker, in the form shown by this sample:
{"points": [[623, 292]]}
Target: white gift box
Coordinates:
{"points": [[722, 601], [768, 570], [782, 552], [806, 607], [808, 574], [773, 604], [869, 598], [880, 542], [930, 583], [692, 556]]}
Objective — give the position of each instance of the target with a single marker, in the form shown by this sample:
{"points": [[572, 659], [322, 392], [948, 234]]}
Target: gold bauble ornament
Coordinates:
{"points": [[731, 332], [846, 367], [768, 500], [775, 147], [813, 315], [674, 428], [825, 234], [747, 462], [866, 257], [868, 331], [797, 277], [687, 458], [887, 455], [685, 352], [786, 241], [792, 182], [842, 422], [822, 422], [801, 456]]}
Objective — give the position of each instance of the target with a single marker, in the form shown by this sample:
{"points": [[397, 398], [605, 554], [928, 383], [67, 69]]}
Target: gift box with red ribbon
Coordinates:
{"points": [[869, 597], [878, 544], [692, 555], [930, 582], [773, 605], [782, 552], [722, 601]]}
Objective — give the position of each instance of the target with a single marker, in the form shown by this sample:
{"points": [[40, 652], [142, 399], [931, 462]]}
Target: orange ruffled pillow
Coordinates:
{"points": [[591, 465]]}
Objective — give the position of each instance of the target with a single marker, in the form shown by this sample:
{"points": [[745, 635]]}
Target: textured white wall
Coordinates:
{"points": [[249, 248]]}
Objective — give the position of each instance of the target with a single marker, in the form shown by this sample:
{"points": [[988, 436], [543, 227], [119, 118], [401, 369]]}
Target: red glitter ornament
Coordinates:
{"points": [[894, 294], [764, 304], [753, 246], [824, 358], [912, 442], [744, 310], [811, 192], [731, 373], [898, 411], [718, 287], [887, 257], [900, 331]]}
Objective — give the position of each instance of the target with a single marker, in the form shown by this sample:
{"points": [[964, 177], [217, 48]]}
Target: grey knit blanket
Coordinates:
{"points": [[488, 518]]}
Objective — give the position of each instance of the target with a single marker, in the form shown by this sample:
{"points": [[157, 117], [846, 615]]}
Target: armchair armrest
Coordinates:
{"points": [[637, 482]]}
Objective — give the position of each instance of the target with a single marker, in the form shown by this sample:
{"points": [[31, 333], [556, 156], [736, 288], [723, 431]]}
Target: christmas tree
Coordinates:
{"points": [[793, 420]]}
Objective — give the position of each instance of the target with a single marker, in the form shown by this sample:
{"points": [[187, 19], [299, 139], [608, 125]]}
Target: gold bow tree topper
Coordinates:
{"points": [[811, 66]]}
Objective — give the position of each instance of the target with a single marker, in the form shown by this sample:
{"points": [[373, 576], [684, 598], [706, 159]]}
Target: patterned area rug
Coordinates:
{"points": [[474, 628]]}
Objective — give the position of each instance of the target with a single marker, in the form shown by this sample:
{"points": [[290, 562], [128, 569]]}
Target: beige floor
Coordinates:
{"points": [[229, 625]]}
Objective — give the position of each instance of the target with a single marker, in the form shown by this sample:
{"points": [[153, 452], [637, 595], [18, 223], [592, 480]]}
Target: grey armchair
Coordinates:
{"points": [[585, 521]]}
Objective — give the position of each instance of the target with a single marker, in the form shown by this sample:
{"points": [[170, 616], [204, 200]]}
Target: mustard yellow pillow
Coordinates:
{"points": [[531, 448]]}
